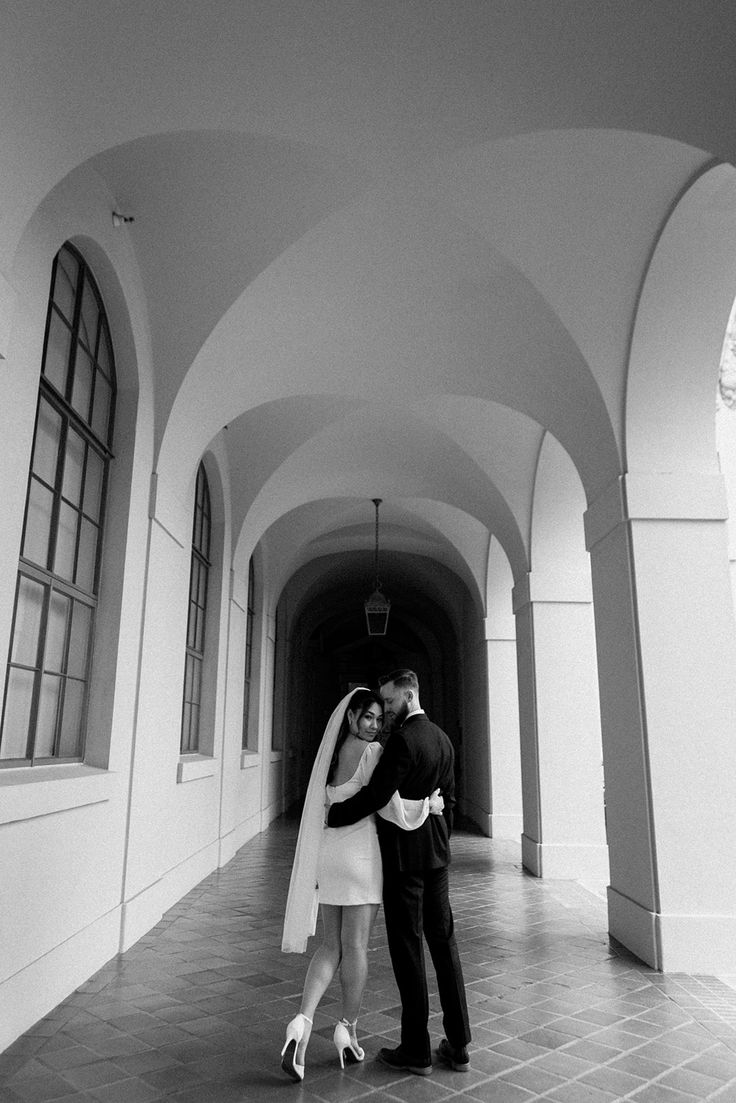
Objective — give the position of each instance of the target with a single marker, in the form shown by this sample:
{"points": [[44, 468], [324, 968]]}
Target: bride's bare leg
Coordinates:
{"points": [[357, 923], [322, 969]]}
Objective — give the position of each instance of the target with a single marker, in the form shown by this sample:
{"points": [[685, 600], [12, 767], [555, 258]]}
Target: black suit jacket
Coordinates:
{"points": [[417, 759]]}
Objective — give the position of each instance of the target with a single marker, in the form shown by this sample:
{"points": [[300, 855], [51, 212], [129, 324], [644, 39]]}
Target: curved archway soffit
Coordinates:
{"points": [[683, 311], [313, 531], [406, 303]]}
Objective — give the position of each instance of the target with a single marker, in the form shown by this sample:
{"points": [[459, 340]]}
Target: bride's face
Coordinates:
{"points": [[367, 726]]}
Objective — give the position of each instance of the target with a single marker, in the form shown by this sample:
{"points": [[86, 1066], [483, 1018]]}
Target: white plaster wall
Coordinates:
{"points": [[687, 637], [569, 746], [503, 700], [90, 860], [242, 775], [506, 819], [175, 801], [726, 446], [64, 827], [69, 860]]}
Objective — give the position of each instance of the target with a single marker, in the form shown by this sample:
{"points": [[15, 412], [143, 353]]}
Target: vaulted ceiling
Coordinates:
{"points": [[388, 243]]}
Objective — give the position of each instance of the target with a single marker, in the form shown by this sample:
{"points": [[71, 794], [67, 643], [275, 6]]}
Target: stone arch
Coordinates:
{"points": [[682, 316]]}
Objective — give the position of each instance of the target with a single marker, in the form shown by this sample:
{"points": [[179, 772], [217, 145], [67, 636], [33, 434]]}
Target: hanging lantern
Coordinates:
{"points": [[377, 606]]}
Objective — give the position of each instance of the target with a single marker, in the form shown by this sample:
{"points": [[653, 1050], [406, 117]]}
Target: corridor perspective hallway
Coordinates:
{"points": [[195, 1011]]}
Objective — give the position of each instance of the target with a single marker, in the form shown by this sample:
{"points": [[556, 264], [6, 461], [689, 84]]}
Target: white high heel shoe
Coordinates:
{"points": [[346, 1042], [294, 1035]]}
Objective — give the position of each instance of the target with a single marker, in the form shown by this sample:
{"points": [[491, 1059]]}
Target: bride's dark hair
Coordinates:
{"points": [[360, 702]]}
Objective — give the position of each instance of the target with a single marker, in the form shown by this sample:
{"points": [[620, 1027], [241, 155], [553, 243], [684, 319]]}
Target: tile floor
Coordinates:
{"points": [[195, 1012]]}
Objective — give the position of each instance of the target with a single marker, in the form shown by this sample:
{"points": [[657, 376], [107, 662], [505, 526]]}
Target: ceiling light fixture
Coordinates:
{"points": [[377, 606]]}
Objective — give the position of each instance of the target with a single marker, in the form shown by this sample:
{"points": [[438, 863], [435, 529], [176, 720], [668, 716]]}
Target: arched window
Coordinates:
{"points": [[47, 680], [250, 617], [198, 581]]}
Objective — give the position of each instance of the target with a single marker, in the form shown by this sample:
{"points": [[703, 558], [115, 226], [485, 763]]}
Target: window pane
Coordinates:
{"points": [[38, 524], [194, 729], [59, 609], [196, 681], [46, 443], [104, 351], [87, 557], [88, 318], [18, 699], [56, 363], [28, 615], [205, 549], [70, 742], [202, 587], [101, 411], [48, 707], [80, 639], [65, 283], [188, 677], [197, 629], [192, 616], [65, 540], [93, 484], [186, 727], [191, 626], [82, 389], [197, 528], [73, 467]]}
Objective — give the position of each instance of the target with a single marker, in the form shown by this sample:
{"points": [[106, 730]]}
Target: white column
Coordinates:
{"points": [[564, 829], [667, 658], [726, 445], [505, 819]]}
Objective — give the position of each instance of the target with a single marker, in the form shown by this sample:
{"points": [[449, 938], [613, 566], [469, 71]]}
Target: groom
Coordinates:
{"points": [[418, 758]]}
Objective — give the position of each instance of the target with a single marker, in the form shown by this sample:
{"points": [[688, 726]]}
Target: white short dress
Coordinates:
{"points": [[349, 869]]}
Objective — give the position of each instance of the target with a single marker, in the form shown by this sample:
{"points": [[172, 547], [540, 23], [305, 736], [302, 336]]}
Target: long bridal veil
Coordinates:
{"points": [[300, 918]]}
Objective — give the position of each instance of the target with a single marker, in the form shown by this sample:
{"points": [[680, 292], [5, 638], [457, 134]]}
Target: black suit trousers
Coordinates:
{"points": [[417, 905]]}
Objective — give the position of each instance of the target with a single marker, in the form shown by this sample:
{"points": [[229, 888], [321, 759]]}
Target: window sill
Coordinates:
{"points": [[194, 768], [32, 791], [249, 759]]}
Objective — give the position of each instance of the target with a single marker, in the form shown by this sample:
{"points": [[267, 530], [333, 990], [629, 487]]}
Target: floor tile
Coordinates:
{"points": [[195, 1011]]}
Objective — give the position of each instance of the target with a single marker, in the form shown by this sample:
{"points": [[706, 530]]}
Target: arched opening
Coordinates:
{"points": [[322, 648]]}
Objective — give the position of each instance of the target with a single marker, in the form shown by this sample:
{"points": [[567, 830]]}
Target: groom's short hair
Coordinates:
{"points": [[402, 679]]}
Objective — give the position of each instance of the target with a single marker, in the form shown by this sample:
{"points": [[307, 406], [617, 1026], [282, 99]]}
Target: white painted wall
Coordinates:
{"points": [[503, 762], [92, 854]]}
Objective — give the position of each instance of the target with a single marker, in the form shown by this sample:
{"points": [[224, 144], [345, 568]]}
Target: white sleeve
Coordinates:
{"points": [[406, 814], [368, 762]]}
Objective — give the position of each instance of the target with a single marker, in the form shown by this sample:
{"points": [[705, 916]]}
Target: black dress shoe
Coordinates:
{"points": [[456, 1057], [396, 1059]]}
